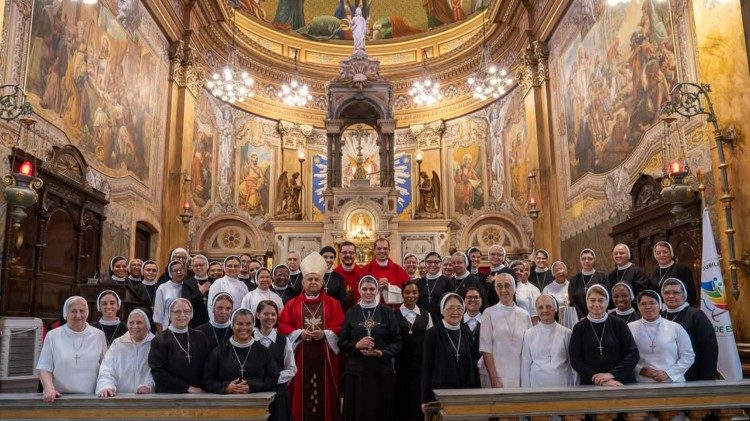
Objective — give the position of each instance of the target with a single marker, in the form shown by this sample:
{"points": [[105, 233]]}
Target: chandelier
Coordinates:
{"points": [[425, 91], [295, 93], [231, 85], [488, 80]]}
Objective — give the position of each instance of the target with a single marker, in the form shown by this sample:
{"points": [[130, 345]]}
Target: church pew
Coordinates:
{"points": [[137, 407], [636, 401]]}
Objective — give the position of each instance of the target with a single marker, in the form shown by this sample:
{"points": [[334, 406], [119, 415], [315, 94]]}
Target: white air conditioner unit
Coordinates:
{"points": [[20, 346]]}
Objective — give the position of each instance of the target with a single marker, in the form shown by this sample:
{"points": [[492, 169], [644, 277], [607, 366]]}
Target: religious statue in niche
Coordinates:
{"points": [[288, 195], [429, 196]]}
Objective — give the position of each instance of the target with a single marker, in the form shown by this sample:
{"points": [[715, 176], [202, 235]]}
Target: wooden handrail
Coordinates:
{"points": [[481, 404], [253, 406]]}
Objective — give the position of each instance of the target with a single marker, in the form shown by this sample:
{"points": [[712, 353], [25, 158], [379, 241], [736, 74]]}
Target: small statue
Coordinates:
{"points": [[288, 195], [429, 196], [359, 30]]}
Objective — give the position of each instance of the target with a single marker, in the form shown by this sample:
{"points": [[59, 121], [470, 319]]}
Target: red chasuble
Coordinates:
{"points": [[395, 274], [351, 279], [316, 362]]}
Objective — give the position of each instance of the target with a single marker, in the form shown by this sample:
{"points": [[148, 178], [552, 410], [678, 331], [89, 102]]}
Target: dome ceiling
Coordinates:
{"points": [[268, 50]]}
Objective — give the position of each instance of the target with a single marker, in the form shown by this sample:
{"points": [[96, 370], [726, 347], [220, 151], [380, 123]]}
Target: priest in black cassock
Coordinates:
{"points": [[432, 286], [333, 282], [280, 285], [698, 326], [241, 364], [371, 336], [541, 276], [668, 268], [475, 259], [449, 358], [178, 353], [496, 255], [295, 274], [414, 322], [582, 280], [602, 349], [465, 279], [219, 328], [626, 271]]}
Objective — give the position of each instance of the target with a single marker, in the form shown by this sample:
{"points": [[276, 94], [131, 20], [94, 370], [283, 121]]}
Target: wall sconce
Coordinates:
{"points": [[531, 206], [187, 213], [677, 181], [21, 186]]}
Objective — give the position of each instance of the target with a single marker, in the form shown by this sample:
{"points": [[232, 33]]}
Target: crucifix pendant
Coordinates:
{"points": [[188, 358], [242, 373], [326, 290], [76, 358], [410, 332], [429, 298], [458, 356], [652, 346], [600, 349]]}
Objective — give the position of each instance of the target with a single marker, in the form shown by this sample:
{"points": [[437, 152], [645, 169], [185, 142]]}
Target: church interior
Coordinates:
{"points": [[134, 127]]}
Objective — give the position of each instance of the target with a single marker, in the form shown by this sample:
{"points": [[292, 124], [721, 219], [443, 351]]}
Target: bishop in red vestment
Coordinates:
{"points": [[312, 321]]}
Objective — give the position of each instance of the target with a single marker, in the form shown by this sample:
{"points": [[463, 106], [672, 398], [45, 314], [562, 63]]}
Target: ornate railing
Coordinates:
{"points": [[129, 407], [696, 400]]}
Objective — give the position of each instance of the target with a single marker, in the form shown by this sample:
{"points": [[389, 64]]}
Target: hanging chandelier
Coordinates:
{"points": [[488, 81], [425, 91], [231, 85], [295, 93]]}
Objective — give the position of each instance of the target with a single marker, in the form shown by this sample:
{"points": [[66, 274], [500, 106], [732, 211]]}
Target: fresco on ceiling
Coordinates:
{"points": [[92, 77], [324, 20], [617, 72]]}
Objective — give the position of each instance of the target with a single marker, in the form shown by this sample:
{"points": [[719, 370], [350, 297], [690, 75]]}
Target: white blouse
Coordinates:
{"points": [[236, 288], [526, 295], [254, 297], [125, 367], [501, 334], [290, 366], [559, 291], [165, 294], [73, 358], [545, 360], [663, 345]]}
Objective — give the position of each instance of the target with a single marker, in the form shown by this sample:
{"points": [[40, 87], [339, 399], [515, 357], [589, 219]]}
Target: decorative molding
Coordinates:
{"points": [[294, 135], [429, 135], [183, 69]]}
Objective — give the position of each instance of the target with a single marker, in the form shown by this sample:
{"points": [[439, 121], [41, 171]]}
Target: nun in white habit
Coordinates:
{"points": [[229, 283], [545, 360], [71, 353], [501, 337], [125, 367], [664, 346]]}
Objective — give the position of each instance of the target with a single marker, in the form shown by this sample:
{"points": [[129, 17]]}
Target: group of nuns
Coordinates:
{"points": [[496, 329]]}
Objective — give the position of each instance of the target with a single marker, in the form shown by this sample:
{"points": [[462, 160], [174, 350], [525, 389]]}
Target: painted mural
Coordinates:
{"points": [[88, 76], [324, 20], [467, 168], [204, 139], [254, 179], [319, 180], [402, 166], [508, 148], [616, 72]]}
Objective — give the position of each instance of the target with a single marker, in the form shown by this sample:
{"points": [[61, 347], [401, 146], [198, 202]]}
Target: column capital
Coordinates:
{"points": [[183, 69]]}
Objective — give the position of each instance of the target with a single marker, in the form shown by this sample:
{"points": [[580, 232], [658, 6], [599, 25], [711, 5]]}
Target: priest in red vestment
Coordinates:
{"points": [[312, 322], [350, 272], [387, 272]]}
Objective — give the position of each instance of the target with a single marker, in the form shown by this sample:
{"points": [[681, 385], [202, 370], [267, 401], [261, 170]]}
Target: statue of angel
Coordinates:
{"points": [[429, 195]]}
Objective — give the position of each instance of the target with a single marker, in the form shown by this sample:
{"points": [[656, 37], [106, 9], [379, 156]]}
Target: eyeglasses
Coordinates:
{"points": [[469, 298]]}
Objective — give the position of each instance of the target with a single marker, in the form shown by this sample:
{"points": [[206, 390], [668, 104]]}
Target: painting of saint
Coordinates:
{"points": [[468, 188], [89, 77], [255, 164], [203, 158], [617, 70]]}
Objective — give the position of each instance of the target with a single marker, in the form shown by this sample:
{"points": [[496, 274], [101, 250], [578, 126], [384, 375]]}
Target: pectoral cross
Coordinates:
{"points": [[242, 373], [76, 357], [652, 346], [188, 357], [429, 299], [458, 356], [601, 348]]}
